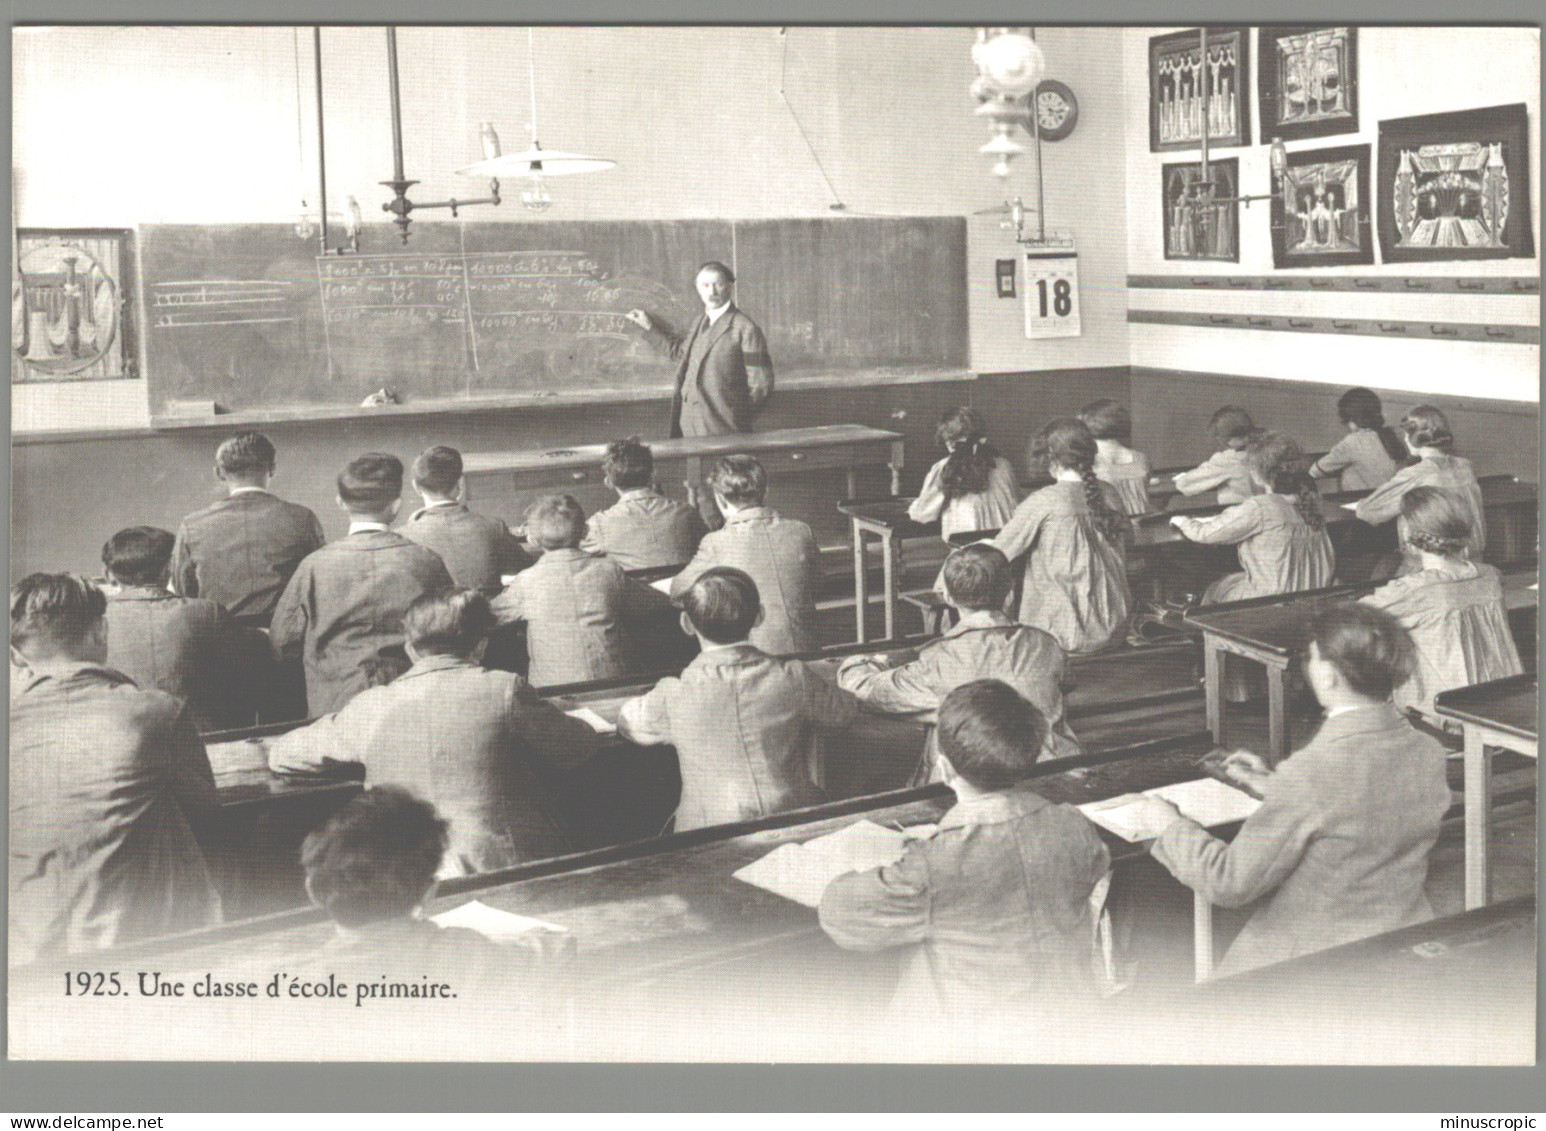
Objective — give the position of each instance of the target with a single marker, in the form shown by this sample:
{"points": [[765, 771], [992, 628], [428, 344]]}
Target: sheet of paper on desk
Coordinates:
{"points": [[663, 584], [801, 872], [592, 720], [501, 926], [1207, 801]]}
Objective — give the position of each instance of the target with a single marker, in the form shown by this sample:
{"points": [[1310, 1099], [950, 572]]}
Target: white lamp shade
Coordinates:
{"points": [[1013, 63], [549, 162]]}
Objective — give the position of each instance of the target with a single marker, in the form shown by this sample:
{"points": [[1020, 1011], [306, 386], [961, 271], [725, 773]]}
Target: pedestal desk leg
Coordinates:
{"points": [[861, 582], [897, 450], [1202, 938], [1213, 688], [1277, 714], [852, 479], [1478, 812], [889, 545]]}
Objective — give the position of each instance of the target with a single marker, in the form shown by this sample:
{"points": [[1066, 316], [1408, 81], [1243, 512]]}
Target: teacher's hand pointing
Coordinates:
{"points": [[640, 319]]}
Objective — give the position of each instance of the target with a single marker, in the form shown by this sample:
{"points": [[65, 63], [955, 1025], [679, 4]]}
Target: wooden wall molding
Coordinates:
{"points": [[1372, 327], [1399, 284]]}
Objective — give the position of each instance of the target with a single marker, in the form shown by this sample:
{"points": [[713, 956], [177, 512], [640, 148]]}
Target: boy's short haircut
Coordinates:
{"points": [[628, 463], [55, 606], [978, 577], [448, 624], [438, 470], [556, 522], [740, 480], [246, 453], [371, 483], [139, 555], [375, 858], [990, 733], [722, 604], [1367, 646]]}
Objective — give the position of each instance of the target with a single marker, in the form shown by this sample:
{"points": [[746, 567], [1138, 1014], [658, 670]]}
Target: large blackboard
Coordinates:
{"points": [[251, 317]]}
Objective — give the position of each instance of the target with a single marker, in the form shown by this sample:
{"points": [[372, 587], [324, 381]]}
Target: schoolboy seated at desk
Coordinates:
{"points": [[346, 601], [984, 644], [745, 724], [478, 551], [1453, 607], [995, 907], [242, 551], [1339, 848], [112, 800], [473, 742], [581, 610], [372, 867], [644, 528], [779, 554], [186, 646]]}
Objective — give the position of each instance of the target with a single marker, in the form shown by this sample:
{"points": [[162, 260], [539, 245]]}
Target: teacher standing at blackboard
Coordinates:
{"points": [[726, 373]]}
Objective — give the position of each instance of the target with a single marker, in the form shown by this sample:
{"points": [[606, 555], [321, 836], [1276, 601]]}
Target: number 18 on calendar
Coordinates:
{"points": [[1051, 293]]}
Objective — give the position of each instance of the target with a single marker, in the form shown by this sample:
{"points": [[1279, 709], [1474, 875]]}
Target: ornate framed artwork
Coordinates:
{"points": [[1308, 81], [1207, 232], [1185, 89], [70, 313], [1455, 186], [1320, 215]]}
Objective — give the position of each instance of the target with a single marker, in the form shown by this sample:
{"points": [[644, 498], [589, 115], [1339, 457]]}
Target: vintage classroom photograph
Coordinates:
{"points": [[839, 543]]}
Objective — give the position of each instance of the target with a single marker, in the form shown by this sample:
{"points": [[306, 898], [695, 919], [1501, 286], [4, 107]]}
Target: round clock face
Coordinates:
{"points": [[1056, 110]]}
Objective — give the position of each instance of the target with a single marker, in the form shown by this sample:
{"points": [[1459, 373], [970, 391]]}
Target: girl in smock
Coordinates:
{"points": [[1226, 470], [1115, 462], [973, 487], [1071, 537], [1371, 451], [1452, 606], [1279, 534], [1427, 435]]}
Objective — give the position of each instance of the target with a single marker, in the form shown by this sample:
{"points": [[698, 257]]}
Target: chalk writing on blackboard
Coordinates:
{"points": [[220, 302]]}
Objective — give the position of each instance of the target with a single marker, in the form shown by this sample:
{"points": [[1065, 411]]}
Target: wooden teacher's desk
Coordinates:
{"points": [[845, 447], [1500, 713]]}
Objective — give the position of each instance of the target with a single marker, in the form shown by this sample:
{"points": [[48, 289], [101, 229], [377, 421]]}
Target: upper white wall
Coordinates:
{"points": [[1403, 72], [218, 125]]}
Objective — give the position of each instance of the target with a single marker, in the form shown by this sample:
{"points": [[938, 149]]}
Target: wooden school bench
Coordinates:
{"points": [[1501, 713]]}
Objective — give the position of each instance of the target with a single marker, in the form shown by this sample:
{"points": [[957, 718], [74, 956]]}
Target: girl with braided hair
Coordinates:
{"points": [[1280, 534], [973, 487], [1453, 607], [1071, 536], [1371, 451], [1115, 461], [1427, 435], [1227, 470]]}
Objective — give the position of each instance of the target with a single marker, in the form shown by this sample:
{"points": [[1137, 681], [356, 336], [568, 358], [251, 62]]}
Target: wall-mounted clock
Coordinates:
{"points": [[1056, 110]]}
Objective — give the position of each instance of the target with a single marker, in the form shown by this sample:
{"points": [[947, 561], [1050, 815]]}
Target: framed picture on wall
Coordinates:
{"points": [[1307, 81], [1201, 231], [70, 314], [1185, 89], [1320, 216], [1455, 186]]}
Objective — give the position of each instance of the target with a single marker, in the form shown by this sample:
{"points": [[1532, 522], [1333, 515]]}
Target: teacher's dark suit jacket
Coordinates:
{"points": [[725, 377]]}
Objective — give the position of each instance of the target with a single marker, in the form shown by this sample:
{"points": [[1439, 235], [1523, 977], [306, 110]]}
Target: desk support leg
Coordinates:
{"points": [[1202, 938], [1478, 814], [1277, 714], [890, 564], [861, 583], [852, 479], [898, 449], [1213, 688]]}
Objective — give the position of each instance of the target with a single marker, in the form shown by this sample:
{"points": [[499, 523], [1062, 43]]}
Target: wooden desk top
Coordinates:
{"points": [[1485, 947], [589, 455], [1508, 705], [242, 777], [655, 908], [1280, 625], [890, 514]]}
